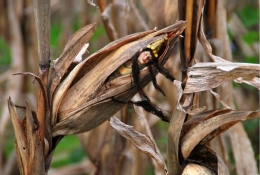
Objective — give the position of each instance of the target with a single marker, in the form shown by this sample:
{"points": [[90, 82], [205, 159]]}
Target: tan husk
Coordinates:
{"points": [[86, 104], [205, 76], [28, 148], [218, 123]]}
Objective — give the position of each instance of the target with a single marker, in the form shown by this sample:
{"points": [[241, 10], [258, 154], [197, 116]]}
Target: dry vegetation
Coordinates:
{"points": [[74, 94]]}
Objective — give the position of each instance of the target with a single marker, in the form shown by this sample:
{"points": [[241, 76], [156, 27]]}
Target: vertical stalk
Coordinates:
{"points": [[42, 20], [209, 16], [190, 11]]}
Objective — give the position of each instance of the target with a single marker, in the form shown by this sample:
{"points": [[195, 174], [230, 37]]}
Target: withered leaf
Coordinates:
{"points": [[72, 48], [203, 129], [185, 104], [174, 133], [219, 99], [20, 136], [90, 99], [35, 155], [205, 76], [141, 141], [86, 66], [28, 148]]}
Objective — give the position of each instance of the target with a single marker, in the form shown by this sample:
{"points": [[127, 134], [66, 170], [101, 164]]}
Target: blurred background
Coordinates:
{"points": [[18, 53]]}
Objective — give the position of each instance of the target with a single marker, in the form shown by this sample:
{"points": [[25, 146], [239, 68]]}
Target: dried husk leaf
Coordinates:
{"points": [[94, 105], [219, 99], [142, 142], [61, 89], [184, 105], [35, 157], [21, 141], [205, 76], [105, 67], [28, 148], [85, 66], [174, 133], [44, 132], [203, 129], [71, 49], [87, 87]]}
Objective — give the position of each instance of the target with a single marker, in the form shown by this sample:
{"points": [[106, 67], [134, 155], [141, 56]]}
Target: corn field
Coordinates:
{"points": [[127, 87]]}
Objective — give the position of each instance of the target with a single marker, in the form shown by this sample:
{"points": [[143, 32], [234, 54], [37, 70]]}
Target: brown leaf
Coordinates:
{"points": [[44, 111], [184, 105], [142, 142], [28, 148], [205, 76], [20, 136], [219, 99], [60, 92], [80, 70], [71, 49], [203, 129], [89, 100], [174, 132], [35, 157]]}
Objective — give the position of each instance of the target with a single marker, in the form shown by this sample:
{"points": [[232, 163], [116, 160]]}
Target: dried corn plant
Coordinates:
{"points": [[95, 99]]}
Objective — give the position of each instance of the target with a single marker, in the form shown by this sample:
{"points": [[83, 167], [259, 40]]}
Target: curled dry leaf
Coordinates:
{"points": [[141, 141], [205, 76], [21, 141], [174, 133], [183, 106], [72, 48], [219, 99], [88, 94], [28, 149], [211, 127]]}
